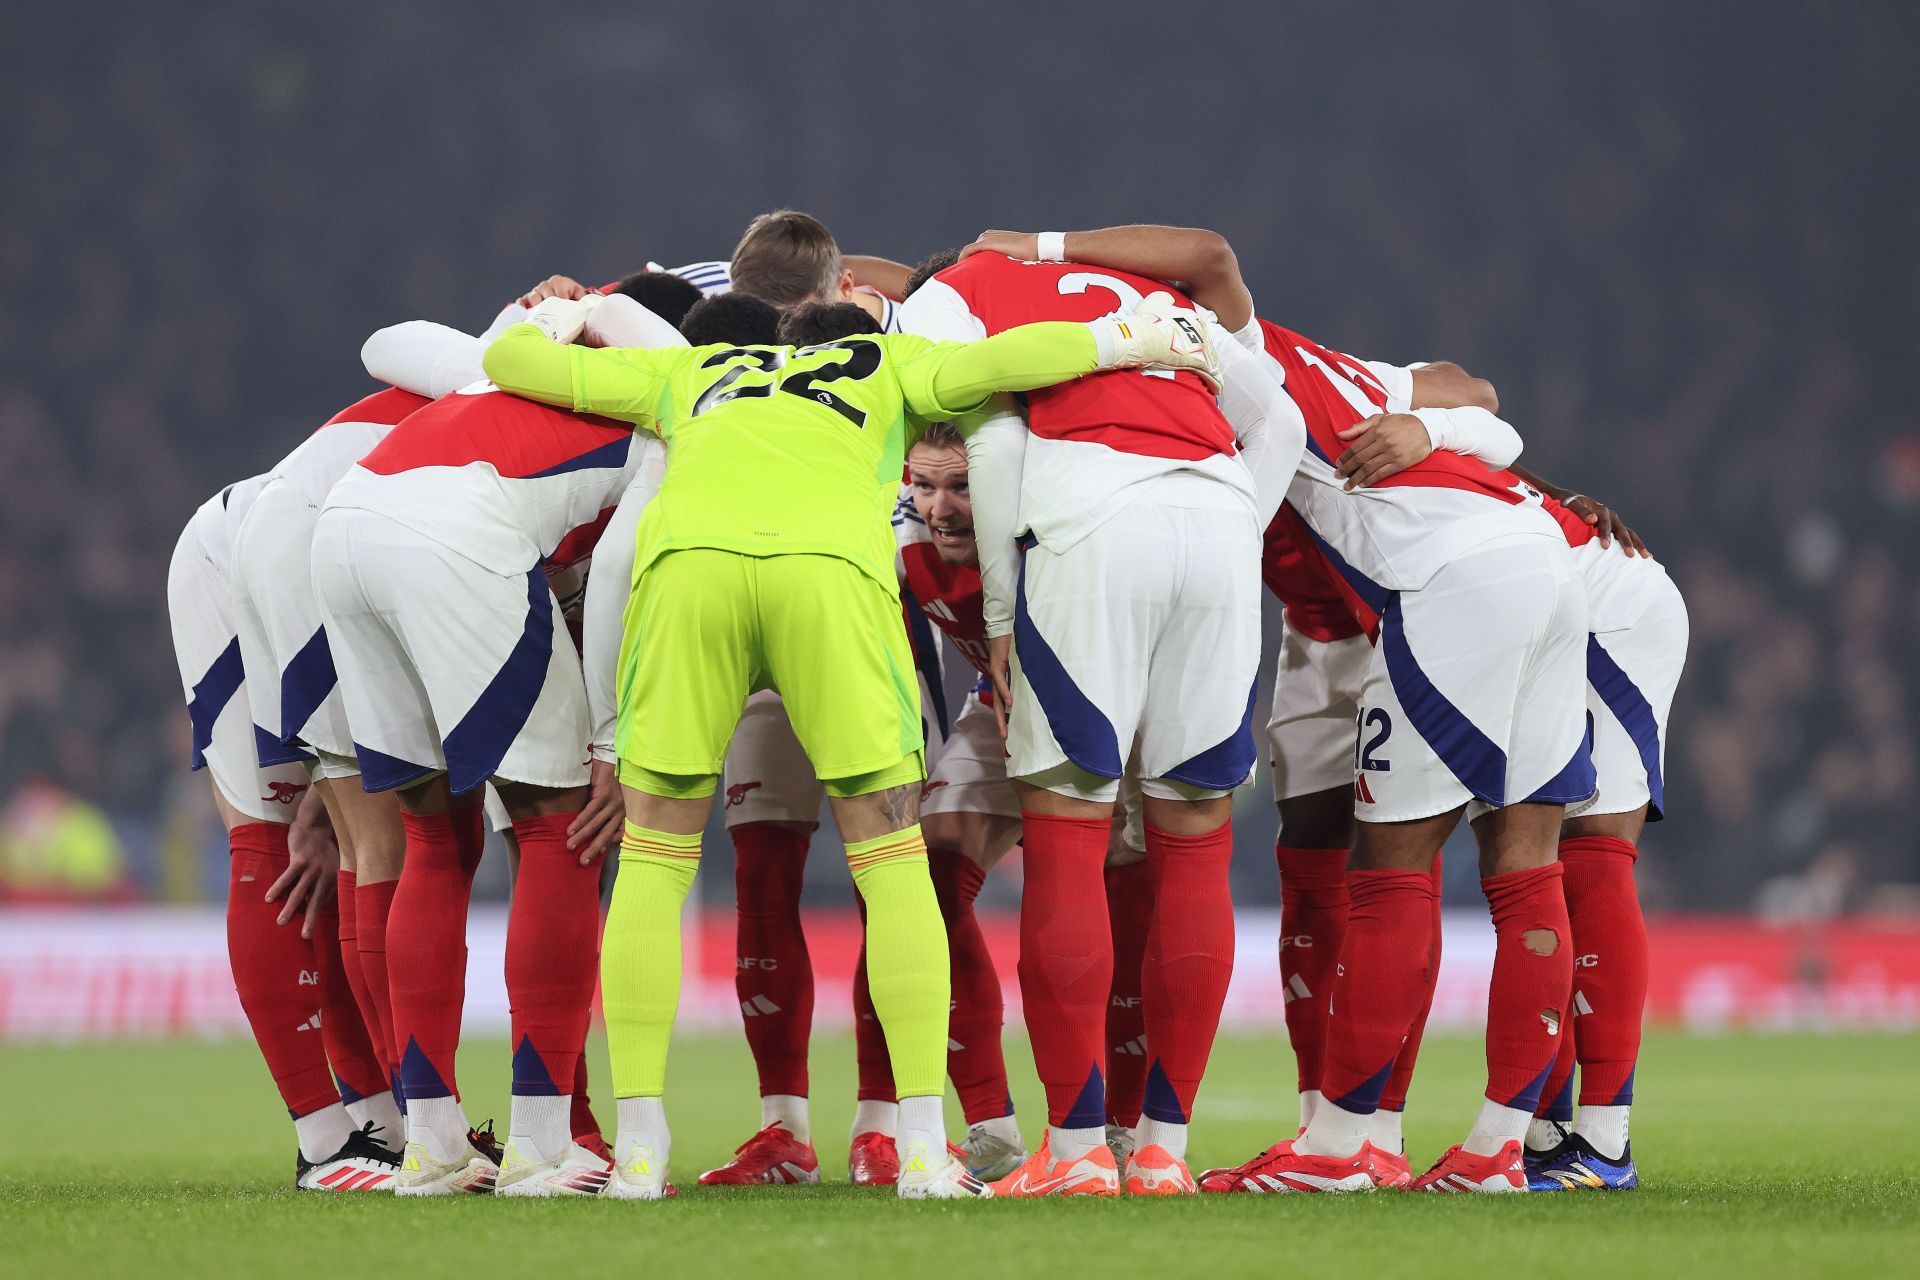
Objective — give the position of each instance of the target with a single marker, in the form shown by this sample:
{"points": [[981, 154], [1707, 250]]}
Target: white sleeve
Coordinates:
{"points": [[511, 314], [620, 321], [936, 310], [1474, 432], [1398, 380], [996, 454], [609, 580], [1268, 424], [425, 358], [1251, 336], [996, 459]]}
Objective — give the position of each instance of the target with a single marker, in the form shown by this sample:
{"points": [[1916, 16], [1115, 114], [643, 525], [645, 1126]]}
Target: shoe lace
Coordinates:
{"points": [[980, 1138], [1261, 1161], [761, 1145], [486, 1143], [362, 1145]]}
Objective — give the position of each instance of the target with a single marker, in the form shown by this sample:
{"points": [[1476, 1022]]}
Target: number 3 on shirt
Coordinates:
{"points": [[1123, 293]]}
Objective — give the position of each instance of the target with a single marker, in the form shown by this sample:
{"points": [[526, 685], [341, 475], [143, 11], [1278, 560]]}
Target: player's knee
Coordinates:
{"points": [[1067, 790], [666, 786], [947, 831], [1621, 826], [1323, 820], [1181, 809], [910, 771]]}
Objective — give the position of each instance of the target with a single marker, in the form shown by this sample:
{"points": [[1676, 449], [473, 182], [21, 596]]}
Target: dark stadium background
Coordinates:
{"points": [[1680, 238]]}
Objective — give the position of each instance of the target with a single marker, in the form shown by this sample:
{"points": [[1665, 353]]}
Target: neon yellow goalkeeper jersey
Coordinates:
{"points": [[778, 450]]}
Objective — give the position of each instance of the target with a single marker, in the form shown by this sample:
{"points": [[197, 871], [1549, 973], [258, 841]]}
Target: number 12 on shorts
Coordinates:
{"points": [[1374, 726]]}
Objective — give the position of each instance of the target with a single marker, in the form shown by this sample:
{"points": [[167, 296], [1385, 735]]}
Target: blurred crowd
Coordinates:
{"points": [[1688, 278]]}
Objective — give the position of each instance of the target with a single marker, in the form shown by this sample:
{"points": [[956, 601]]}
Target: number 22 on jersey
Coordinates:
{"points": [[753, 372]]}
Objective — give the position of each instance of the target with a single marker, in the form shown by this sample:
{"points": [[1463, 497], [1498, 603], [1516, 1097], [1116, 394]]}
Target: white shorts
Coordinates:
{"points": [[1143, 637], [970, 774], [225, 741], [282, 642], [1476, 694], [768, 777], [1316, 703], [1631, 676], [444, 664]]}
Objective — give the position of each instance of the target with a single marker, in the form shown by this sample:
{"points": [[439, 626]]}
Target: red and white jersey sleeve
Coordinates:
{"points": [[503, 481], [1393, 536], [1094, 439], [342, 440]]}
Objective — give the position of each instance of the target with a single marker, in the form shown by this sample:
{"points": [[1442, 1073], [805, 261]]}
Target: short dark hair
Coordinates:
{"points": [[737, 319], [930, 268], [661, 292], [812, 323], [786, 257]]}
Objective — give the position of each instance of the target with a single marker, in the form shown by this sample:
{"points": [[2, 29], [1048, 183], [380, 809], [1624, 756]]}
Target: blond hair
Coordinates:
{"points": [[786, 257]]}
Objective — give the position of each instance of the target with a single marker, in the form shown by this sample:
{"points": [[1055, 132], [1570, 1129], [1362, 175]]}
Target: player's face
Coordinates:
{"points": [[939, 480]]}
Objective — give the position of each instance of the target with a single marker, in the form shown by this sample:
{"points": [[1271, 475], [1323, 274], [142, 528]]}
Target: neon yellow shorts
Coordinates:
{"points": [[705, 628]]}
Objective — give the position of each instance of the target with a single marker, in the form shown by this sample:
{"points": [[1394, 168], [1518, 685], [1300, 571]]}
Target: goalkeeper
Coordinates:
{"points": [[766, 561]]}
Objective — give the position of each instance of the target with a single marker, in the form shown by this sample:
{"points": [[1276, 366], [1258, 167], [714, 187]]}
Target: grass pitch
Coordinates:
{"points": [[1762, 1156]]}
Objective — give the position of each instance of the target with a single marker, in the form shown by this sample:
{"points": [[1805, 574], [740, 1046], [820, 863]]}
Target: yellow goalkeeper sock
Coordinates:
{"points": [[907, 962], [640, 956]]}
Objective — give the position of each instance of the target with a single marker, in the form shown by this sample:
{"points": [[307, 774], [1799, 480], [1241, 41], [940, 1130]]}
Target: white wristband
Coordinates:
{"points": [[1050, 246]]}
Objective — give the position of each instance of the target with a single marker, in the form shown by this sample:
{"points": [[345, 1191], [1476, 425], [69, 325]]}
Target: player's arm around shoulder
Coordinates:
{"points": [[626, 383], [1202, 261], [946, 379]]}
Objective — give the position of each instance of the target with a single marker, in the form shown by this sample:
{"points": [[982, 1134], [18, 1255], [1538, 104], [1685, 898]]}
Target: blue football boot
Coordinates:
{"points": [[1575, 1166]]}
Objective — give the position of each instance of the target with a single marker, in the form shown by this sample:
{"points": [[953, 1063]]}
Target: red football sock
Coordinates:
{"points": [[1188, 963], [373, 906], [977, 1068], [580, 1118], [427, 945], [553, 955], [1313, 921], [1556, 1096], [773, 974], [1382, 979], [356, 1066], [346, 902], [1066, 962], [1395, 1096], [1610, 939], [1130, 916], [874, 1065], [273, 969], [1532, 978]]}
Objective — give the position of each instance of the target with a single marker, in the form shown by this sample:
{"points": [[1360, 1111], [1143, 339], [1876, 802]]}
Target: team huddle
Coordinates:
{"points": [[698, 534]]}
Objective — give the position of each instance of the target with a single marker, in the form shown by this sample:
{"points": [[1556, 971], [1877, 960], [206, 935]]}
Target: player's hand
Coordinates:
{"points": [[1160, 335], [1021, 246], [1607, 523], [598, 827], [1000, 671], [313, 866], [562, 319], [1384, 445], [553, 287]]}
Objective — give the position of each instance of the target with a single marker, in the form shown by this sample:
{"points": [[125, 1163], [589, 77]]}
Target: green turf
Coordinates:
{"points": [[1762, 1155]]}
